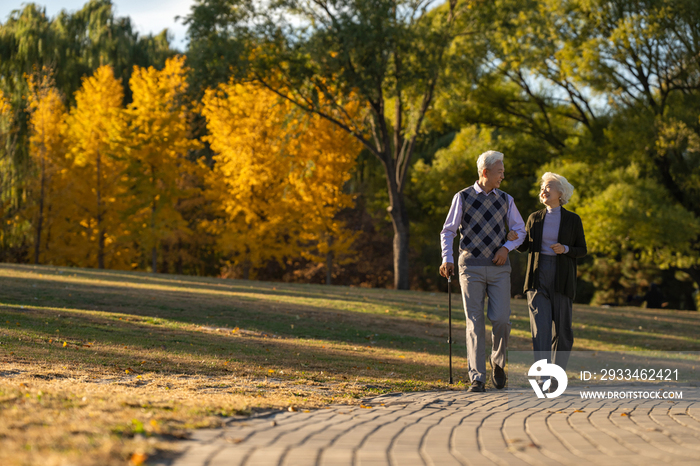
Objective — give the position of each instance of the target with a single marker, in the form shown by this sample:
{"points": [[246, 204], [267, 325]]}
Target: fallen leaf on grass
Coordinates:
{"points": [[65, 344], [137, 459]]}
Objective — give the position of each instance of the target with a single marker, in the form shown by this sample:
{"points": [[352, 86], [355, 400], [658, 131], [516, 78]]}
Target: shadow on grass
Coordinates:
{"points": [[147, 347], [224, 309], [317, 311], [305, 291]]}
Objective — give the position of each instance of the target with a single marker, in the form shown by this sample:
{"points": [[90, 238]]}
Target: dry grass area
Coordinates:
{"points": [[104, 367]]}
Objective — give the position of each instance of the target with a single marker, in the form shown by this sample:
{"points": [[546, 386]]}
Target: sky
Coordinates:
{"points": [[147, 16]]}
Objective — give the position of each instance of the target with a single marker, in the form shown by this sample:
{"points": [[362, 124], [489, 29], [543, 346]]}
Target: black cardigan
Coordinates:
{"points": [[571, 235]]}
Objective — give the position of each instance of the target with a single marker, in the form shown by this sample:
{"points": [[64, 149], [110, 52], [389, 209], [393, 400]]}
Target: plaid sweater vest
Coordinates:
{"points": [[483, 227]]}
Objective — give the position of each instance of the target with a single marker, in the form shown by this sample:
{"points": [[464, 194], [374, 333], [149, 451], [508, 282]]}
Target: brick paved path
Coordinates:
{"points": [[455, 428]]}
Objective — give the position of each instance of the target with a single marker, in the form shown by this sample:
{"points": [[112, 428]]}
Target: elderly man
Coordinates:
{"points": [[484, 214]]}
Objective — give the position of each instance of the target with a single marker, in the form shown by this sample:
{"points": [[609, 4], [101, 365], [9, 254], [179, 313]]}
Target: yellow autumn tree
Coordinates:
{"points": [[157, 141], [48, 189], [278, 178], [5, 128], [325, 156], [6, 169], [5, 114], [94, 237]]}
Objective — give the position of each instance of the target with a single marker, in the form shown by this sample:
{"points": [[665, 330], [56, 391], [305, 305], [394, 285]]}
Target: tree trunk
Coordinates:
{"points": [[399, 220], [400, 223], [329, 267], [178, 263], [154, 251], [694, 273], [101, 249], [100, 227], [39, 223]]}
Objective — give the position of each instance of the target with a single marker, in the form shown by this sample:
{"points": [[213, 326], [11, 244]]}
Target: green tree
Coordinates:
{"points": [[606, 84]]}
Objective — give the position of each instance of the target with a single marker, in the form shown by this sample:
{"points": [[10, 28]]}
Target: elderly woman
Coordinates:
{"points": [[554, 236]]}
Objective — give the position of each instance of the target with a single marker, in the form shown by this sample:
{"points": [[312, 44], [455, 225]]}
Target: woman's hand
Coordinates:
{"points": [[558, 248], [512, 235]]}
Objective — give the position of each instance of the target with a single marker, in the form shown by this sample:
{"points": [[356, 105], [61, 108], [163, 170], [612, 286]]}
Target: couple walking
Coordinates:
{"points": [[490, 227]]}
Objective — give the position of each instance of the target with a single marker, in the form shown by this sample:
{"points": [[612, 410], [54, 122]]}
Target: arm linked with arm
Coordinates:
{"points": [[516, 224], [526, 243]]}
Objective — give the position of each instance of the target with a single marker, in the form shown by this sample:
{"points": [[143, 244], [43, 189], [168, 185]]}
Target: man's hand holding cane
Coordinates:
{"points": [[447, 269]]}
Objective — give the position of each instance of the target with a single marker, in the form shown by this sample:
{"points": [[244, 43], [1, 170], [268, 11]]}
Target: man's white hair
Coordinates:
{"points": [[563, 186], [487, 159]]}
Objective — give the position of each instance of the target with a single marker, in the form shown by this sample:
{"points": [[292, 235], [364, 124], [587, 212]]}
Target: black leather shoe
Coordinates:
{"points": [[553, 385], [477, 386], [498, 376]]}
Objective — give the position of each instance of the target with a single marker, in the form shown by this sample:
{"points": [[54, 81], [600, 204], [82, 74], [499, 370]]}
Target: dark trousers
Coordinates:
{"points": [[550, 317]]}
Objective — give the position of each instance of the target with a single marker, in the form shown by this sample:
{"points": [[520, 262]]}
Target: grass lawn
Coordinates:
{"points": [[105, 367]]}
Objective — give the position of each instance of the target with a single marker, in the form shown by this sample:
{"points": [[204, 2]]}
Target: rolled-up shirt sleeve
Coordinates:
{"points": [[515, 223], [449, 229]]}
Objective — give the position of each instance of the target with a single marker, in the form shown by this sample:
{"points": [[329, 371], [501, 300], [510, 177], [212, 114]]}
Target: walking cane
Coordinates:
{"points": [[449, 312]]}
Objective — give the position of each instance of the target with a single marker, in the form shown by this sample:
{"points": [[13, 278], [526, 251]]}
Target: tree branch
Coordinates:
{"points": [[403, 170], [316, 111]]}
